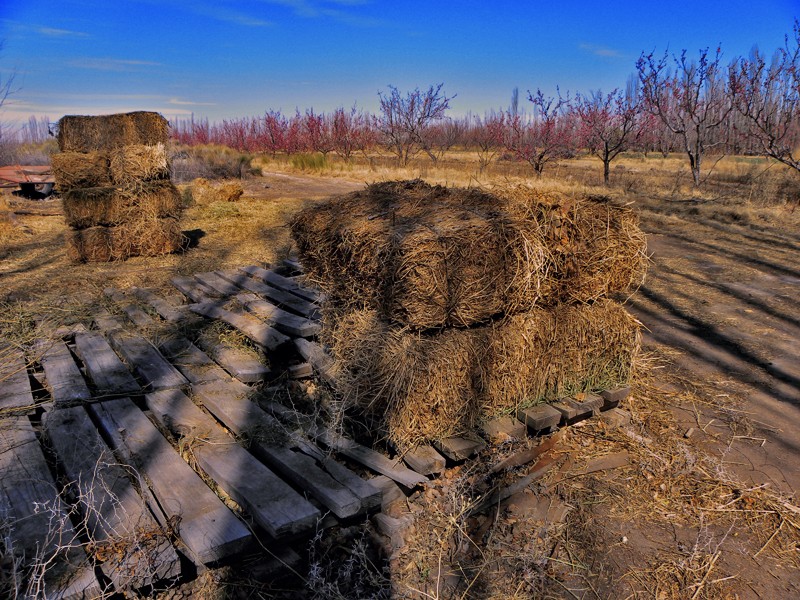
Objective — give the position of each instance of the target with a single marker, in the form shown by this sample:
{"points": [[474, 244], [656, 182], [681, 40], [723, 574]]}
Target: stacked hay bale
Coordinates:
{"points": [[114, 178], [449, 306]]}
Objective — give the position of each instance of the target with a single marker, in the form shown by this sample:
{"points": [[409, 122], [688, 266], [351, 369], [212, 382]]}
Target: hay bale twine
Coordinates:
{"points": [[109, 132], [72, 170]]}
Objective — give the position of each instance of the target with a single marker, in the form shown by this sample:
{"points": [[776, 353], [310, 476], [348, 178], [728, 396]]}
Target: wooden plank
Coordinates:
{"points": [[526, 456], [205, 525], [230, 404], [108, 373], [369, 496], [64, 379], [192, 362], [293, 264], [220, 285], [15, 386], [316, 356], [612, 398], [193, 289], [137, 316], [258, 331], [300, 370], [153, 369], [40, 527], [425, 460], [168, 312], [369, 458], [272, 503], [105, 321], [135, 550], [505, 429], [240, 364], [281, 320], [540, 417], [284, 283], [459, 448], [280, 297], [591, 403]]}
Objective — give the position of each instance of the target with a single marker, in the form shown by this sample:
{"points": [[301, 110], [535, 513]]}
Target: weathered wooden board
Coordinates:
{"points": [[105, 321], [258, 331], [504, 429], [64, 378], [316, 356], [278, 296], [286, 322], [204, 524], [137, 316], [539, 417], [192, 362], [135, 550], [612, 398], [425, 460], [369, 458], [168, 311], [193, 289], [15, 387], [230, 404], [589, 404], [108, 373], [239, 363], [459, 448], [272, 503], [220, 285], [39, 523], [153, 369], [284, 283]]}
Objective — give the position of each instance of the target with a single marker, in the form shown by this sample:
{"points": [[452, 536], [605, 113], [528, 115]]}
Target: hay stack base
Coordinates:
{"points": [[138, 237], [429, 257], [419, 388]]}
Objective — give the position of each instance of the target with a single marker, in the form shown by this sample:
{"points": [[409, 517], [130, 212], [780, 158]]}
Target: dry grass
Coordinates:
{"points": [[206, 192], [73, 170], [136, 163]]}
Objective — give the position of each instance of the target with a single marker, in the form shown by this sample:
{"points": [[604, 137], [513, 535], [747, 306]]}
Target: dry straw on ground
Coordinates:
{"points": [[136, 163], [73, 170], [429, 256], [111, 206], [206, 192], [426, 387], [104, 133], [144, 236]]}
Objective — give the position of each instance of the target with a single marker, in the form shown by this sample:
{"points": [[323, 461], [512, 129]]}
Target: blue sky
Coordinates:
{"points": [[225, 58]]}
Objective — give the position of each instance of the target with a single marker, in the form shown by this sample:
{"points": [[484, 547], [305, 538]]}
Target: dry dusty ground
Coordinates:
{"points": [[694, 498]]}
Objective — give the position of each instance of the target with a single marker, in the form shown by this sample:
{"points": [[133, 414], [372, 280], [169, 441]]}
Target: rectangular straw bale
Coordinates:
{"points": [[111, 206], [130, 165], [108, 132], [139, 237], [428, 257], [73, 170], [419, 388]]}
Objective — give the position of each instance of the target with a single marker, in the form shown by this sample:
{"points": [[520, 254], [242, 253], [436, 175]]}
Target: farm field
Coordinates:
{"points": [[697, 491]]}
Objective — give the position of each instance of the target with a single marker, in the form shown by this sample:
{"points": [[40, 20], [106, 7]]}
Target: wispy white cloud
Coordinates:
{"points": [[179, 102], [61, 33], [603, 51], [111, 64], [313, 9]]}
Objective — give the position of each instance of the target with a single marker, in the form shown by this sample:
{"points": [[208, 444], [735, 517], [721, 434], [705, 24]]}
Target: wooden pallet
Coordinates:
{"points": [[143, 419]]}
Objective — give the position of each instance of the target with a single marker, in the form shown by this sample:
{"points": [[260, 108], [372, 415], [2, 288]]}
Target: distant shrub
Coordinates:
{"points": [[15, 153], [209, 162], [309, 162]]}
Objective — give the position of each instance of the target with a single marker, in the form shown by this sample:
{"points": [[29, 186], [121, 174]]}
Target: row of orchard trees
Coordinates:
{"points": [[674, 103]]}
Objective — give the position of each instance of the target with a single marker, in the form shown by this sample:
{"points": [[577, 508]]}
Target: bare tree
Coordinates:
{"points": [[405, 119], [692, 101], [767, 95], [608, 124]]}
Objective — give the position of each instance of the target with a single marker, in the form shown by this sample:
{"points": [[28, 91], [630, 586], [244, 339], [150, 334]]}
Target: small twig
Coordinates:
{"points": [[705, 577]]}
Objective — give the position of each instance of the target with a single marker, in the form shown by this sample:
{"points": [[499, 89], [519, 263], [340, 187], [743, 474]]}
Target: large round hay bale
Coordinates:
{"points": [[111, 206], [108, 132], [423, 387], [72, 170], [136, 163]]}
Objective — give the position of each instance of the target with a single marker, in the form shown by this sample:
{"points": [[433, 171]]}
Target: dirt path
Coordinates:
{"points": [[724, 298]]}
